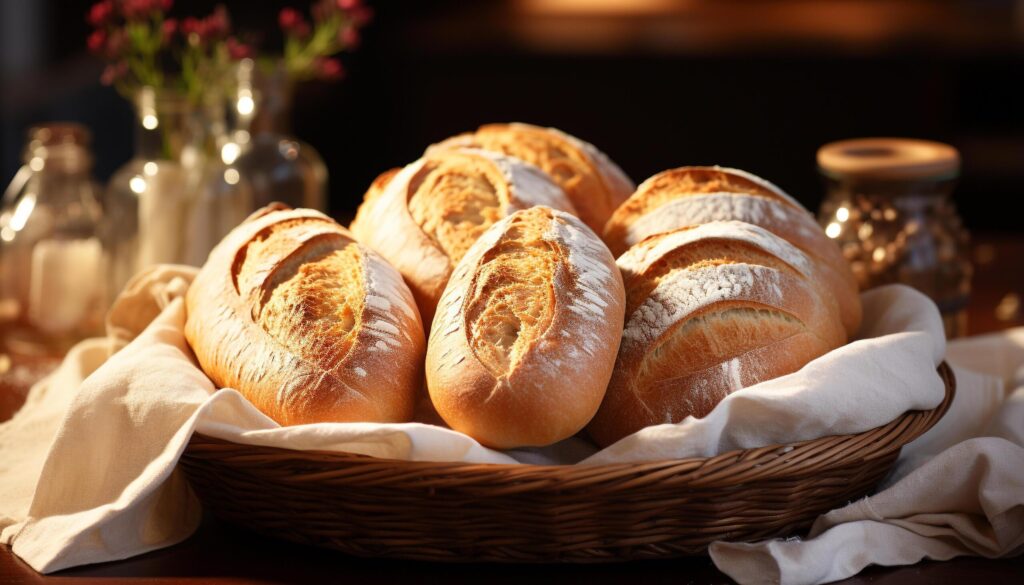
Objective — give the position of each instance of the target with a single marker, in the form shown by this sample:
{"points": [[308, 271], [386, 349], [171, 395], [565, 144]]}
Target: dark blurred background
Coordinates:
{"points": [[654, 83]]}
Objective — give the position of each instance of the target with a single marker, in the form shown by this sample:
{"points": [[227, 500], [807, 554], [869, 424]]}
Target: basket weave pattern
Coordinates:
{"points": [[534, 513]]}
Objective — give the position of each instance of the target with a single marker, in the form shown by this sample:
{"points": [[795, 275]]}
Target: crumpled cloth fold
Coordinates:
{"points": [[957, 490]]}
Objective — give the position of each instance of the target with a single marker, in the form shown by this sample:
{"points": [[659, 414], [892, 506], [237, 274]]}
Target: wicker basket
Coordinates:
{"points": [[533, 513]]}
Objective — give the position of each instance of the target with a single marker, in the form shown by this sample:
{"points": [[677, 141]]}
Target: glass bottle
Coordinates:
{"points": [[176, 198], [889, 207], [53, 290], [277, 166]]}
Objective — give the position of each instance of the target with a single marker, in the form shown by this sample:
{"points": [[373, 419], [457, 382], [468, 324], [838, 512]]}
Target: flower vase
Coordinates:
{"points": [[176, 198], [276, 165]]}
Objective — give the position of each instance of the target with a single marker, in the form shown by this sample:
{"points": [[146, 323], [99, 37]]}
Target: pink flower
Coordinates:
{"points": [[115, 43], [100, 12], [169, 27], [136, 9], [191, 26], [288, 18], [293, 24], [217, 25], [113, 72], [349, 4], [97, 41], [106, 44], [349, 37], [238, 50], [328, 68]]}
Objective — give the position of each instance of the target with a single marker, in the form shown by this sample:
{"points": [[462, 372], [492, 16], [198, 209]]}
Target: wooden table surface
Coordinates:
{"points": [[223, 554]]}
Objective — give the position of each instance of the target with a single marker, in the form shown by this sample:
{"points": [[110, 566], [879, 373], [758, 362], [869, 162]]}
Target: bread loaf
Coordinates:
{"points": [[306, 323], [691, 196], [432, 211], [595, 185], [710, 310], [378, 185], [526, 333]]}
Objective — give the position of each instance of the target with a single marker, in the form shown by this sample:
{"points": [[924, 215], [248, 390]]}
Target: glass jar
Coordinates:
{"points": [[53, 290], [277, 166], [890, 209], [176, 198]]}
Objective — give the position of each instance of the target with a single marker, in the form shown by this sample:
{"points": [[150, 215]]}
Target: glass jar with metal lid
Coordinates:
{"points": [[889, 207]]}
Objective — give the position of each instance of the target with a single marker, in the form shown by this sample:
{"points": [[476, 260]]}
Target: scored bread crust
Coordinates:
{"points": [[594, 184], [711, 310], [309, 325], [561, 354], [386, 223], [691, 196], [693, 180]]}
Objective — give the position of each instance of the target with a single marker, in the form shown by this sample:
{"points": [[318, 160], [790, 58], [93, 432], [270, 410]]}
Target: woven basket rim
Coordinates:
{"points": [[871, 444]]}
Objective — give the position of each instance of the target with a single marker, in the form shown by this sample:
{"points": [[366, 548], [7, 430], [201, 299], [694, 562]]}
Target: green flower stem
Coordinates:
{"points": [[300, 57]]}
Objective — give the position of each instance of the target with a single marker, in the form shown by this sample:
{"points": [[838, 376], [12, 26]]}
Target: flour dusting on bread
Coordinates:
{"points": [[536, 301]]}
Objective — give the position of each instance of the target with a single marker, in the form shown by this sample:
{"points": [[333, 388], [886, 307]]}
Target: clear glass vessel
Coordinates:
{"points": [[889, 206], [277, 166], [53, 259], [176, 198]]}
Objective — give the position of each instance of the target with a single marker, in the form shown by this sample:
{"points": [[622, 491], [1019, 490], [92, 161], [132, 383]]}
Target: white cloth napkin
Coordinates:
{"points": [[87, 470], [957, 490]]}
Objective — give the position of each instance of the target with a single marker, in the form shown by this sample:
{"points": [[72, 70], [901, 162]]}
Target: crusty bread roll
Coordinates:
{"points": [[691, 196], [526, 333], [377, 186], [710, 310], [432, 211], [306, 323], [595, 185]]}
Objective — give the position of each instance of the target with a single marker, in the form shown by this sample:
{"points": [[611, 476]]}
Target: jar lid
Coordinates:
{"points": [[62, 145], [54, 133], [889, 159]]}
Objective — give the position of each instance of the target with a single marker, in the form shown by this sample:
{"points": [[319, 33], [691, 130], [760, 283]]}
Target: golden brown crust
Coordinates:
{"points": [[594, 184], [375, 189], [433, 210], [536, 301], [710, 310], [682, 182], [691, 196], [306, 323]]}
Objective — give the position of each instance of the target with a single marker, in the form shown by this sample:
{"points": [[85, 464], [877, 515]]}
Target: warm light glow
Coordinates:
{"points": [[842, 214], [288, 149], [36, 164], [231, 177], [588, 7], [879, 254], [149, 122], [229, 152], [245, 103], [7, 234], [137, 184], [150, 168], [1008, 308], [833, 230], [22, 212]]}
